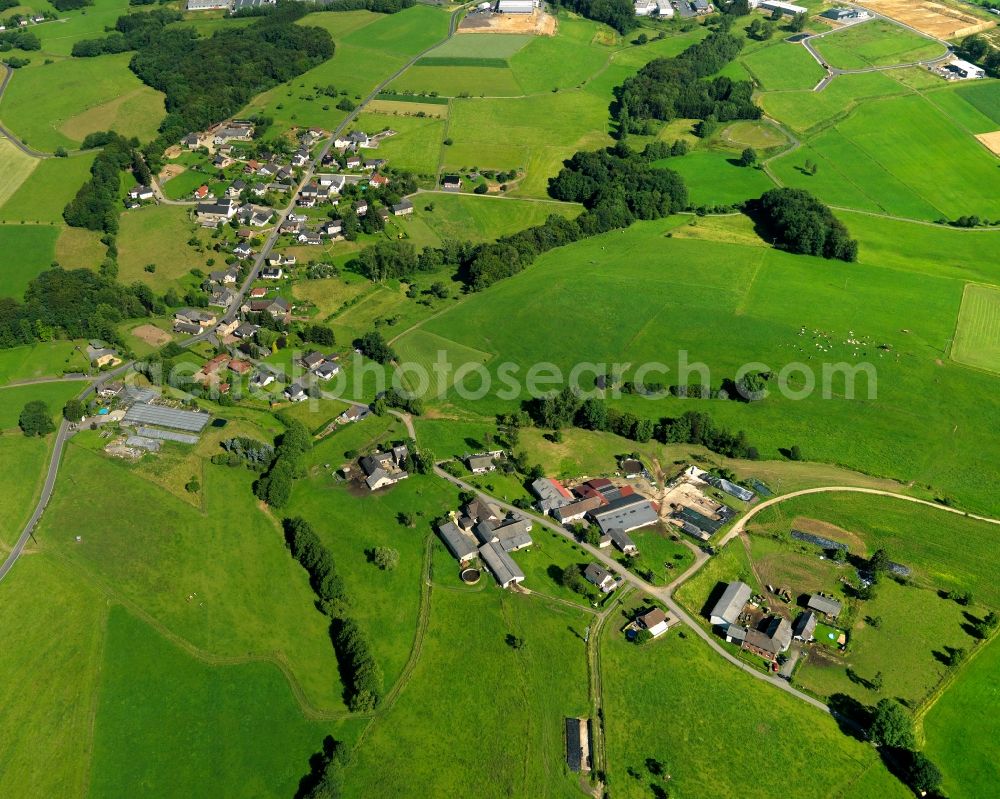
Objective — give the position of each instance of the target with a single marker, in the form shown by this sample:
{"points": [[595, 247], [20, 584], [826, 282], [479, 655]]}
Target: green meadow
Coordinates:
{"points": [[13, 399], [44, 194], [478, 717], [714, 177], [416, 147], [983, 96], [783, 66], [860, 157], [30, 249], [158, 234], [674, 701], [28, 458], [876, 43], [725, 299], [211, 726], [475, 217], [211, 569], [48, 359], [88, 23], [977, 338], [58, 104], [962, 725]]}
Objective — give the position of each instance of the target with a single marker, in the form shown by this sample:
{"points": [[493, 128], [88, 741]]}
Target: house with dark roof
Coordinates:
{"points": [[805, 626], [459, 545], [826, 605], [623, 541], [601, 577], [402, 208], [626, 513], [480, 464], [773, 639], [384, 469], [295, 393], [451, 182], [551, 494]]}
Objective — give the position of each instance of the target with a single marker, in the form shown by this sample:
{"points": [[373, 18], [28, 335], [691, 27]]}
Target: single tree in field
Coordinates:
{"points": [[35, 419], [891, 725], [73, 411], [386, 558], [878, 563], [748, 157]]}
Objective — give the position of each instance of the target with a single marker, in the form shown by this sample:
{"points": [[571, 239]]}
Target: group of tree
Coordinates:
{"points": [[96, 204], [978, 50], [19, 39], [325, 779], [573, 579], [359, 671], [373, 346], [800, 223], [618, 14], [209, 78], [71, 5], [275, 485], [36, 419], [682, 87], [78, 303], [318, 334], [892, 730], [243, 450]]}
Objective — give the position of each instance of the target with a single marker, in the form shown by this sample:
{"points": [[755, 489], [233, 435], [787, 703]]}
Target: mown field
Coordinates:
{"points": [[56, 105], [676, 702], [861, 165], [43, 195], [87, 23], [723, 298], [16, 168], [49, 359], [28, 458], [159, 235], [13, 399], [783, 66], [30, 249], [963, 724], [977, 337], [416, 147], [876, 43]]}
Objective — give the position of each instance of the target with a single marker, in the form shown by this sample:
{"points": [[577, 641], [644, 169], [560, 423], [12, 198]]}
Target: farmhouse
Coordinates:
{"points": [[194, 318], [141, 193], [577, 510], [775, 638], [480, 464], [730, 605], [502, 565], [551, 494], [626, 513], [828, 606], [384, 468], [846, 14], [402, 208], [458, 544], [601, 577], [656, 621], [451, 182]]}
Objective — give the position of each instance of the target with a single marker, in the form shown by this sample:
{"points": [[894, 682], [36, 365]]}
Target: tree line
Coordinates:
{"points": [[96, 204], [796, 221], [359, 671], [618, 14], [678, 87], [275, 485], [567, 408]]}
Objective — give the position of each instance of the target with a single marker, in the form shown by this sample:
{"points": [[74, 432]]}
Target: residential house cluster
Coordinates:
{"points": [[616, 510], [323, 367], [481, 529]]}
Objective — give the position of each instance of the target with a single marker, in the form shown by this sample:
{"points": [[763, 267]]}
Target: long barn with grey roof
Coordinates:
{"points": [[161, 416], [461, 546], [506, 571], [727, 610], [626, 514]]}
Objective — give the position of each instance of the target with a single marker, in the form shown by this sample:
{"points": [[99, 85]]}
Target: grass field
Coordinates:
{"points": [[27, 458], [716, 178], [57, 104], [470, 217], [49, 359], [483, 45], [48, 755], [31, 249], [88, 23], [985, 97], [16, 166], [78, 247], [416, 147], [156, 698], [540, 132], [459, 80], [329, 294], [783, 66], [42, 197], [158, 234], [968, 762], [859, 156], [250, 597], [876, 43], [13, 399], [726, 304], [502, 711], [977, 338], [944, 550], [715, 708]]}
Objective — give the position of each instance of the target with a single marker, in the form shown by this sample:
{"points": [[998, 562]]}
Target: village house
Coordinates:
{"points": [[353, 162], [402, 208], [262, 377], [101, 355], [225, 328], [295, 393], [271, 273], [826, 605], [326, 370], [384, 469], [334, 184], [354, 414], [246, 330], [551, 494], [221, 297], [451, 182], [656, 621], [378, 181], [480, 464], [191, 141], [601, 577], [242, 250], [211, 214], [360, 207], [141, 193], [193, 320], [730, 605]]}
